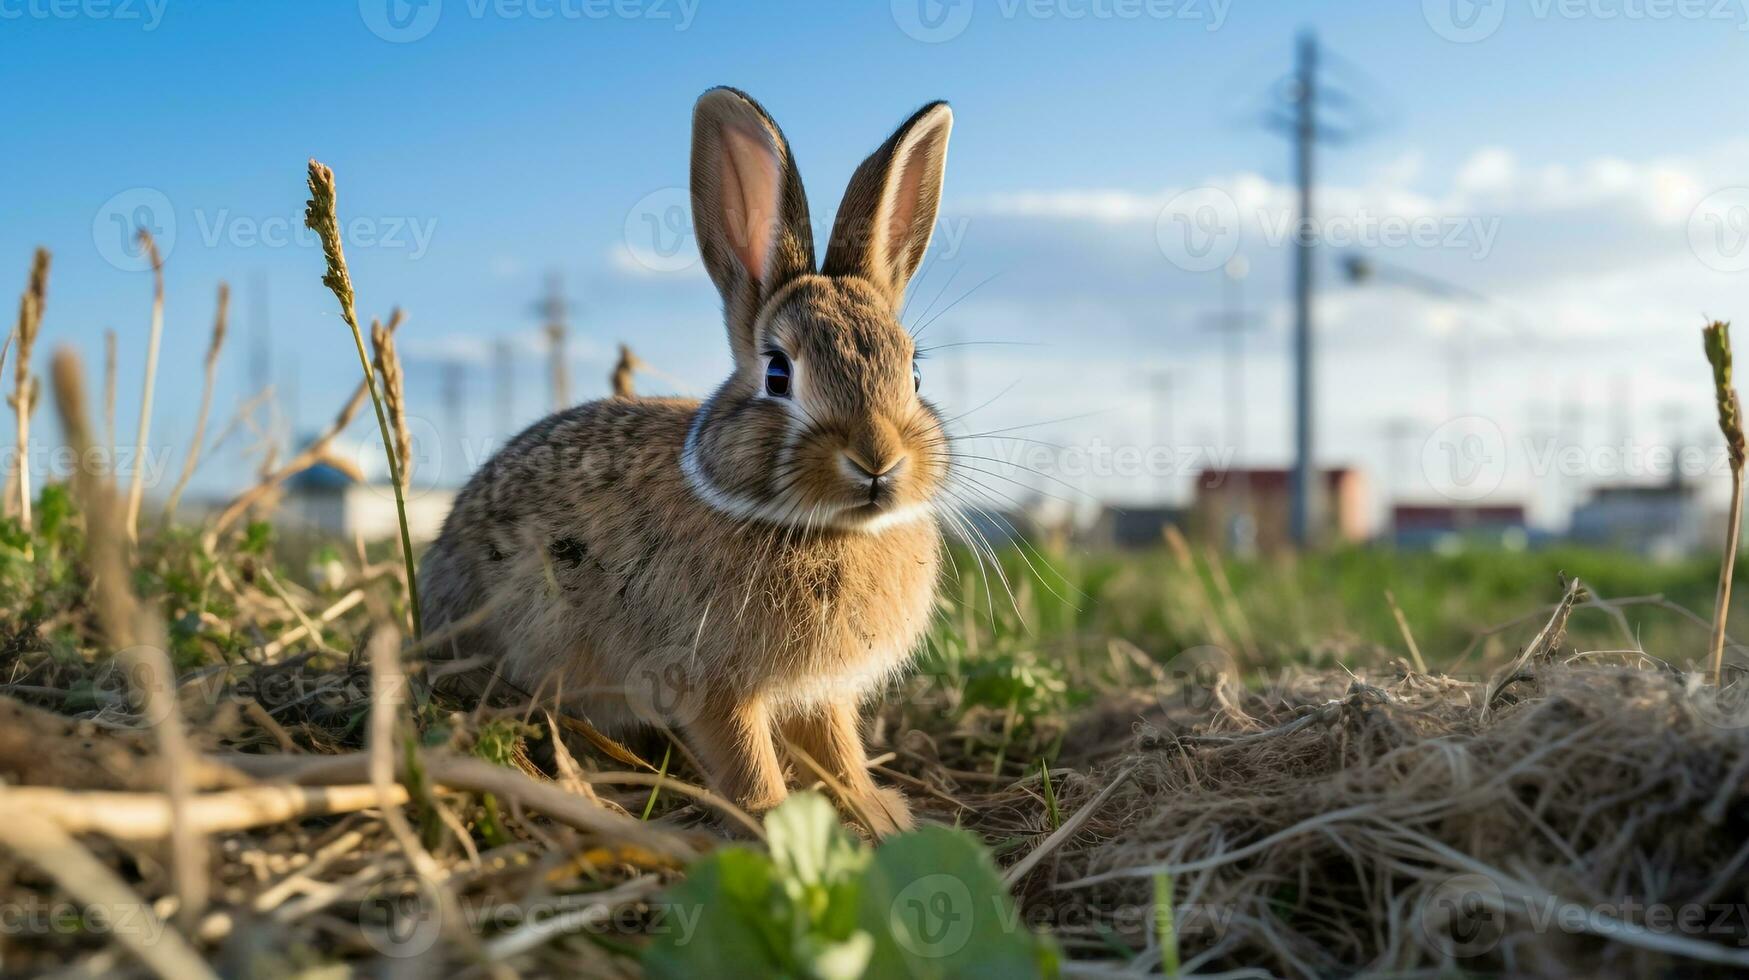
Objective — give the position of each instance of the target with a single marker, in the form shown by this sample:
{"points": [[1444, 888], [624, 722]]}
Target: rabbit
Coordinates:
{"points": [[745, 569]]}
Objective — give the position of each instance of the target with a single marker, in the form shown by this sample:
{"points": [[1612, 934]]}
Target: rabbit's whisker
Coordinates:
{"points": [[949, 307]]}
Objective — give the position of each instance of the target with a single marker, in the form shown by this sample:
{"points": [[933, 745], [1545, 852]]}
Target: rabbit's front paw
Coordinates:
{"points": [[886, 809]]}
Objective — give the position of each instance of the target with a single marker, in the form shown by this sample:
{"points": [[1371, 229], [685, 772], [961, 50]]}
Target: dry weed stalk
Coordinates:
{"points": [[1716, 337], [109, 372], [321, 215], [136, 484], [206, 402], [622, 377], [25, 387], [134, 631], [388, 363]]}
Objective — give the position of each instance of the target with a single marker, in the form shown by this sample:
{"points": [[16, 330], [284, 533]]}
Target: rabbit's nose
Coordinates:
{"points": [[878, 475]]}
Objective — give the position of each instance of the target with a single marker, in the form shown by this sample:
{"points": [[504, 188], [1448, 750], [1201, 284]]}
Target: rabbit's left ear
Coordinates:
{"points": [[888, 213]]}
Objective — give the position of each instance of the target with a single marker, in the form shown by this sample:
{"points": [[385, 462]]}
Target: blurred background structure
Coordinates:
{"points": [[1458, 307]]}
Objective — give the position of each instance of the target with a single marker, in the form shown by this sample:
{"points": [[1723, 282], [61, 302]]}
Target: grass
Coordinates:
{"points": [[1166, 761], [1011, 716]]}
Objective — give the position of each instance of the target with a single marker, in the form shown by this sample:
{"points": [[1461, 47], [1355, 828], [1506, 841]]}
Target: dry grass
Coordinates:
{"points": [[1530, 821], [227, 768]]}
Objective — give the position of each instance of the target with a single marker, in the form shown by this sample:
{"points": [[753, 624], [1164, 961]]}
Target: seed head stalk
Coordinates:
{"points": [[23, 398], [136, 485], [1716, 338], [321, 215]]}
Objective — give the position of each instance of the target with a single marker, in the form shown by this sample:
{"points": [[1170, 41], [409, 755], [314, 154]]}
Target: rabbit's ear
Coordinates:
{"points": [[883, 225], [748, 209]]}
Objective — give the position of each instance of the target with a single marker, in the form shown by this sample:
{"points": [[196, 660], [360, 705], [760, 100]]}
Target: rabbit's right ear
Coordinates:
{"points": [[748, 209]]}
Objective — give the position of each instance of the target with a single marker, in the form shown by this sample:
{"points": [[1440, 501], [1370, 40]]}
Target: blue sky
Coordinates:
{"points": [[1565, 164]]}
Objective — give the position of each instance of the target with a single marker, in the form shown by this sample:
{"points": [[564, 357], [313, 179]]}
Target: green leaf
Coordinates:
{"points": [[822, 905], [718, 921], [809, 845], [938, 908]]}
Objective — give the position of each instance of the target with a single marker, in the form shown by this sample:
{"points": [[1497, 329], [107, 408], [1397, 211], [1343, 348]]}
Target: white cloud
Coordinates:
{"points": [[1594, 302]]}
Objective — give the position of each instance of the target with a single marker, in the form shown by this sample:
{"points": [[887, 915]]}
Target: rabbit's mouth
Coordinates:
{"points": [[872, 518]]}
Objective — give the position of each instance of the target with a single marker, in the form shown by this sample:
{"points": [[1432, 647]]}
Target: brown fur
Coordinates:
{"points": [[759, 583]]}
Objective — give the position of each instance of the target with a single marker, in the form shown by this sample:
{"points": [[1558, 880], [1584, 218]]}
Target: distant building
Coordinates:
{"points": [[1657, 520], [1137, 526], [325, 499], [1250, 509], [1451, 527]]}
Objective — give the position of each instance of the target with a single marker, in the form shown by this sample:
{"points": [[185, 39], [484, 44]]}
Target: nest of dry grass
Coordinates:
{"points": [[1591, 821]]}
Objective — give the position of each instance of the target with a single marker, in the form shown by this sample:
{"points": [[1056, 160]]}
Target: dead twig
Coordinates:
{"points": [[206, 403]]}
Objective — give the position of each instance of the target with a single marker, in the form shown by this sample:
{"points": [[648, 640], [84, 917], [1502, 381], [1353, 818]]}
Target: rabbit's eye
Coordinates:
{"points": [[916, 377], [777, 375]]}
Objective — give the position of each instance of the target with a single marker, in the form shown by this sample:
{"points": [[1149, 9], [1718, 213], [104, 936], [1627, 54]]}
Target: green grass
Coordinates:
{"points": [[1312, 609], [1061, 634]]}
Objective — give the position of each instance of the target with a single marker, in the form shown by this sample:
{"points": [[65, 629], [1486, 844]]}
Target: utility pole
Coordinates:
{"points": [[1305, 139], [1300, 121], [552, 310], [1232, 322]]}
